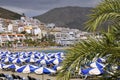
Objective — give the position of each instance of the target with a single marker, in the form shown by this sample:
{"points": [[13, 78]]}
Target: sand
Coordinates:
{"points": [[41, 77]]}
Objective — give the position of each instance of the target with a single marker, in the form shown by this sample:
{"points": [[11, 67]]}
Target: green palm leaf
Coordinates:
{"points": [[108, 11]]}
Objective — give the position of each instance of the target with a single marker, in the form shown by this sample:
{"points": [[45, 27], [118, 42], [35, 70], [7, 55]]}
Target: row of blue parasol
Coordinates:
{"points": [[55, 61], [10, 60], [28, 69], [41, 60], [32, 57]]}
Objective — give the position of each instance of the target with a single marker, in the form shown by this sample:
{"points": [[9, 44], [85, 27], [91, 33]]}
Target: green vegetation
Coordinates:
{"points": [[4, 13], [44, 42], [107, 12]]}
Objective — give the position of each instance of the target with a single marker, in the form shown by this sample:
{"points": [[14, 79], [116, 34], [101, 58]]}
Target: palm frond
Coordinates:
{"points": [[105, 11], [85, 51], [108, 46]]}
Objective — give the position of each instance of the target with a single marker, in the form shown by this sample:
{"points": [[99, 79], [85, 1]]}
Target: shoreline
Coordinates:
{"points": [[19, 49]]}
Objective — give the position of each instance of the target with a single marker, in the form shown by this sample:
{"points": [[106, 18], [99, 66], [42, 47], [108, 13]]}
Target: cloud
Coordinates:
{"points": [[15, 9], [28, 12], [35, 7], [30, 4]]}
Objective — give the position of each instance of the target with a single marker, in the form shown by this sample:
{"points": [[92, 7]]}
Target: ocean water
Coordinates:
{"points": [[52, 51]]}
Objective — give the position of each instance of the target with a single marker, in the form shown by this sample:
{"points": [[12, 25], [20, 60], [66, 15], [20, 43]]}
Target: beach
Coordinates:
{"points": [[41, 77]]}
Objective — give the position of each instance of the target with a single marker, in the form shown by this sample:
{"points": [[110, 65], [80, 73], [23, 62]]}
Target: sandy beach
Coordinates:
{"points": [[41, 77]]}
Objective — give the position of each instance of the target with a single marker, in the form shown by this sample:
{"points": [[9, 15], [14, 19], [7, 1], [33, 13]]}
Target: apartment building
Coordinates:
{"points": [[4, 38]]}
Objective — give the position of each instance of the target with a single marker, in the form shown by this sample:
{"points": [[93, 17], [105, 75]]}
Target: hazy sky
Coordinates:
{"points": [[37, 7]]}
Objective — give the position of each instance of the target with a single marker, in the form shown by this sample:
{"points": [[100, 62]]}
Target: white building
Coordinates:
{"points": [[11, 37], [65, 36], [50, 25], [1, 28], [10, 28]]}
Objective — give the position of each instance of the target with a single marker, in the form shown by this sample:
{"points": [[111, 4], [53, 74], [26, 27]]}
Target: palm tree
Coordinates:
{"points": [[85, 51], [108, 12]]}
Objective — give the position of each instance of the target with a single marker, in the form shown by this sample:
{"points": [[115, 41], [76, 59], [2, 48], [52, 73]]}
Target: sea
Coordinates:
{"points": [[52, 51]]}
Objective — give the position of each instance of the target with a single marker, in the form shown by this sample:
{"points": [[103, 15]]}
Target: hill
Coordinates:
{"points": [[72, 17], [4, 13]]}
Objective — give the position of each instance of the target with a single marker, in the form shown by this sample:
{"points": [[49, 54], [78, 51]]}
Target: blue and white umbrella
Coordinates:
{"points": [[42, 61], [14, 55], [44, 57], [21, 53], [18, 60], [1, 65], [85, 71], [41, 54], [30, 60], [23, 56], [96, 71], [29, 53], [44, 70], [26, 69], [59, 54], [17, 53], [56, 61], [51, 55], [97, 65], [34, 56], [6, 52], [11, 66], [57, 68], [92, 71], [8, 59], [100, 60], [2, 57]]}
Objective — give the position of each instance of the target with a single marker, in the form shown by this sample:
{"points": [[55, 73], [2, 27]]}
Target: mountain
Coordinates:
{"points": [[4, 13], [72, 17]]}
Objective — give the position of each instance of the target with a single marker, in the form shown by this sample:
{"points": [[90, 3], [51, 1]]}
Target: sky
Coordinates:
{"points": [[38, 7]]}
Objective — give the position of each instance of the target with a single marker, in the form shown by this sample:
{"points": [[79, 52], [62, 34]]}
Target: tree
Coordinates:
{"points": [[108, 11], [106, 14], [23, 32], [50, 38], [9, 43]]}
